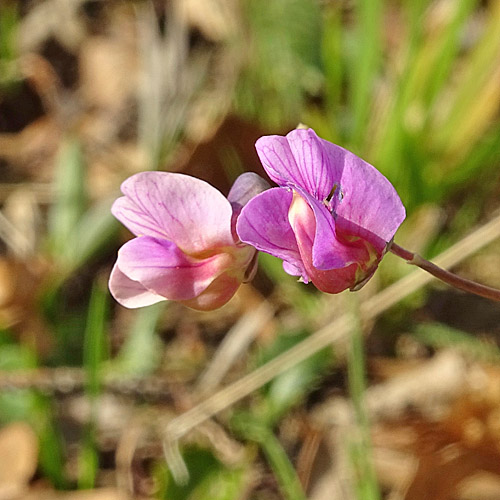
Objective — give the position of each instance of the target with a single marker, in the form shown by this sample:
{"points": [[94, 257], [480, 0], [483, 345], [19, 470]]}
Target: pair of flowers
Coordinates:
{"points": [[330, 220]]}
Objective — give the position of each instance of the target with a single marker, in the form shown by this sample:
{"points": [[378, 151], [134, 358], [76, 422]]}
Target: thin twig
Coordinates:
{"points": [[442, 274], [66, 381]]}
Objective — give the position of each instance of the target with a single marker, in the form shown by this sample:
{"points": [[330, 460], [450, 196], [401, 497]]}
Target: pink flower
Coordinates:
{"points": [[332, 217], [186, 248]]}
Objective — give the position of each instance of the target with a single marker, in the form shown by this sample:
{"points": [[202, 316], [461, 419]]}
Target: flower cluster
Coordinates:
{"points": [[330, 220]]}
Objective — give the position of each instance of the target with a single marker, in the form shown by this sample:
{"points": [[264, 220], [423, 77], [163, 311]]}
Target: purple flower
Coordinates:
{"points": [[186, 248], [332, 217]]}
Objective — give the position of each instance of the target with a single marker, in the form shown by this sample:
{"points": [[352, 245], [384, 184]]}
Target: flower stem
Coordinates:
{"points": [[449, 278]]}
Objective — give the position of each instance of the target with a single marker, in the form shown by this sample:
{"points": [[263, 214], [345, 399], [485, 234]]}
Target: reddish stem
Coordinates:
{"points": [[446, 276]]}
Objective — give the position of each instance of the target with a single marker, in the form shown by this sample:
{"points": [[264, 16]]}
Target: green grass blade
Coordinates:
{"points": [[360, 447], [88, 460], [292, 386], [477, 68], [481, 160], [8, 26], [254, 430], [95, 338], [281, 466], [71, 200], [93, 354], [405, 131], [52, 459], [331, 51], [9, 22], [208, 478], [141, 352], [441, 336], [365, 63], [386, 142], [95, 228], [283, 60], [449, 46]]}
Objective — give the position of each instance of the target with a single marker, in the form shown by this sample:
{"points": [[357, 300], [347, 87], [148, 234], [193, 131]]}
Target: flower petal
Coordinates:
{"points": [[328, 251], [176, 207], [263, 223], [335, 280], [245, 187], [367, 204], [278, 161], [292, 269], [299, 159], [161, 267], [218, 293], [130, 293]]}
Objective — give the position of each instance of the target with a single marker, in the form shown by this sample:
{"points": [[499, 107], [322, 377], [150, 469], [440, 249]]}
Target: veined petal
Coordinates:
{"points": [[278, 160], [130, 293], [328, 251], [299, 159], [318, 167], [176, 207], [161, 267], [367, 205], [263, 223]]}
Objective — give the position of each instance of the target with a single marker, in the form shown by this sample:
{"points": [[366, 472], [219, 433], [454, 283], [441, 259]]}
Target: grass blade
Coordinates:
{"points": [[254, 430], [71, 199], [365, 63], [93, 355], [360, 447], [141, 352]]}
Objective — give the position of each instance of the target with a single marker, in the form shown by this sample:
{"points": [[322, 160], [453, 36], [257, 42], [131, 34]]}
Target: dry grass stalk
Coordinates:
{"points": [[334, 333]]}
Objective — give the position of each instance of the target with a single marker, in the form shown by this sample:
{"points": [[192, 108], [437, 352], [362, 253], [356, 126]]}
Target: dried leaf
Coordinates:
{"points": [[19, 452]]}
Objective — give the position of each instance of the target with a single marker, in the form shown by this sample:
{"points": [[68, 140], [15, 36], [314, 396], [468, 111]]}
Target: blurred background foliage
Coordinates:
{"points": [[92, 91]]}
